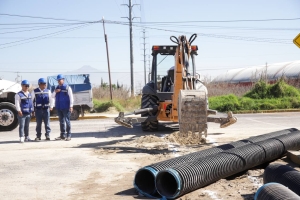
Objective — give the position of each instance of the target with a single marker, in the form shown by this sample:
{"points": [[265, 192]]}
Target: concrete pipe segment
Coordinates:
{"points": [[184, 178], [284, 175], [275, 191], [144, 180]]}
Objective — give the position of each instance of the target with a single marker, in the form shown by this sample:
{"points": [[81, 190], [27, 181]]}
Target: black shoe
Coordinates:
{"points": [[47, 138], [68, 139], [37, 139], [60, 138]]}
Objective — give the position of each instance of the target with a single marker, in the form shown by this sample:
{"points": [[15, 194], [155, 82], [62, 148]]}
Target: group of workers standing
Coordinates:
{"points": [[39, 103]]}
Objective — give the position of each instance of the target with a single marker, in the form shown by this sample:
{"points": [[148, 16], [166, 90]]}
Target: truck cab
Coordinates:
{"points": [[8, 112]]}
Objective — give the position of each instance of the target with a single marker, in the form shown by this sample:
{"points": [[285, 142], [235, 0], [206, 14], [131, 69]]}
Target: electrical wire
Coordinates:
{"points": [[269, 40], [42, 36], [222, 21], [58, 26], [169, 22], [36, 72], [35, 17]]}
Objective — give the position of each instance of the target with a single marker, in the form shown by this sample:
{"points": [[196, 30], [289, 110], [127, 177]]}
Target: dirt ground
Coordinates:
{"points": [[102, 158], [240, 186]]}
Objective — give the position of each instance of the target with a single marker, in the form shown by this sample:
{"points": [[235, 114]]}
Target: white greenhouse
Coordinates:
{"points": [[273, 72]]}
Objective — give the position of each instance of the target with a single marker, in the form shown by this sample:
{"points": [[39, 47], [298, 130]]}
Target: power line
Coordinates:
{"points": [[269, 40], [170, 22], [41, 36], [24, 27], [58, 26], [27, 16], [13, 24], [221, 21], [36, 72]]}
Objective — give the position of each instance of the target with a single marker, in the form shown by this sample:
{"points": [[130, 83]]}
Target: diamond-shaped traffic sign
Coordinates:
{"points": [[297, 40]]}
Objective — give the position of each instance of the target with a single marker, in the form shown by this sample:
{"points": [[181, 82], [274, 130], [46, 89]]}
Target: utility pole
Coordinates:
{"points": [[144, 37], [149, 74], [130, 18], [107, 55]]}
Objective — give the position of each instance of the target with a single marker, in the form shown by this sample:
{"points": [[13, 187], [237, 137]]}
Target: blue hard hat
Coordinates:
{"points": [[25, 82], [41, 80], [60, 76]]}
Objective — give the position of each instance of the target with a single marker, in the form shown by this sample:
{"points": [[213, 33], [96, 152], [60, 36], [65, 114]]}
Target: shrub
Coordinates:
{"points": [[260, 91], [281, 89], [224, 103], [248, 104]]}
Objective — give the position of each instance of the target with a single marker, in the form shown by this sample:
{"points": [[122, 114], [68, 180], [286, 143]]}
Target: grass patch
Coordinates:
{"points": [[263, 96], [121, 105], [233, 103], [224, 103]]}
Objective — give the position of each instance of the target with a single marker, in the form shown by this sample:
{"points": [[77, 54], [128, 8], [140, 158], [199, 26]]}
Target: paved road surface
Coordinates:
{"points": [[76, 170]]}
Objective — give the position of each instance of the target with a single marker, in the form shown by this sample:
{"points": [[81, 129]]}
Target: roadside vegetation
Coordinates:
{"points": [[262, 96], [121, 99], [222, 97]]}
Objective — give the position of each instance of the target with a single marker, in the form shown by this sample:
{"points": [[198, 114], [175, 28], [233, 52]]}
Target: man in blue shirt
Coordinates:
{"points": [[64, 105], [43, 103], [24, 106]]}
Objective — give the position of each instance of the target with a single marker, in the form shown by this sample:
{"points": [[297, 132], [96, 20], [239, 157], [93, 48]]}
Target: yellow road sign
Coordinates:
{"points": [[297, 40]]}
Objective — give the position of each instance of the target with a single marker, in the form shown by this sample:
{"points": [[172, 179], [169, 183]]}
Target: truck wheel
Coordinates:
{"points": [[8, 116], [149, 101], [74, 114]]}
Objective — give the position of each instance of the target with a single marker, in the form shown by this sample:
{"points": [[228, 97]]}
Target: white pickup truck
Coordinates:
{"points": [[8, 112], [82, 92]]}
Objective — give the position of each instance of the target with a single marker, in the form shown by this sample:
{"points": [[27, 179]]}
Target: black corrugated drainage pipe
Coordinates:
{"points": [[181, 179], [275, 191], [144, 180], [284, 175]]}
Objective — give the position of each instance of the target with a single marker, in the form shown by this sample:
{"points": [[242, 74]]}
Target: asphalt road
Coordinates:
{"points": [[73, 169]]}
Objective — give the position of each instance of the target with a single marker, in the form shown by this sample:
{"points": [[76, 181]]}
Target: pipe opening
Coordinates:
{"points": [[166, 184], [145, 181]]}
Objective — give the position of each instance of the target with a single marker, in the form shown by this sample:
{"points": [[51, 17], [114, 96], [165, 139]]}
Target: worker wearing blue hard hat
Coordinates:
{"points": [[43, 103], [64, 105], [24, 106], [59, 77]]}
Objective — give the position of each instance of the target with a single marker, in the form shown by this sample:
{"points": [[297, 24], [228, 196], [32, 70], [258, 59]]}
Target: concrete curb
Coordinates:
{"points": [[235, 112], [80, 118], [265, 111]]}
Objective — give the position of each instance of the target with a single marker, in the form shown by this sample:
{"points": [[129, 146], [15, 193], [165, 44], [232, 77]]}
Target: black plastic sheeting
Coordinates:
{"points": [[275, 191], [144, 180], [284, 175], [184, 178]]}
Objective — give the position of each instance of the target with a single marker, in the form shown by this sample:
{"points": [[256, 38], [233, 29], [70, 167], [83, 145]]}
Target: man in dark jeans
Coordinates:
{"points": [[24, 106], [43, 101], [64, 105]]}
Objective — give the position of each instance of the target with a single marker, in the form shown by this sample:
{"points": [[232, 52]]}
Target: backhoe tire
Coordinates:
{"points": [[149, 101], [74, 114], [8, 116]]}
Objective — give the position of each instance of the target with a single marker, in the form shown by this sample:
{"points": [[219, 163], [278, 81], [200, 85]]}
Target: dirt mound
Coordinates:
{"points": [[189, 140], [148, 139]]}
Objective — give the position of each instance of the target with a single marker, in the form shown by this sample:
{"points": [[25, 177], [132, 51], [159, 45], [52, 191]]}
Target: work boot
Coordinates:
{"points": [[68, 139], [38, 139], [27, 139], [60, 138], [229, 120], [22, 139]]}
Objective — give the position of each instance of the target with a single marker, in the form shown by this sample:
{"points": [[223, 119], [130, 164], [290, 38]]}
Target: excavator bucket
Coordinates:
{"points": [[192, 108]]}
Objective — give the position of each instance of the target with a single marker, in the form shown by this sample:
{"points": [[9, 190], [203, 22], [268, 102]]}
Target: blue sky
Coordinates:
{"points": [[222, 45]]}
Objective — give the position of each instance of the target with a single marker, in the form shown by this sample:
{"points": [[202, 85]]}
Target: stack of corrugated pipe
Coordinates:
{"points": [[178, 176], [281, 182]]}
